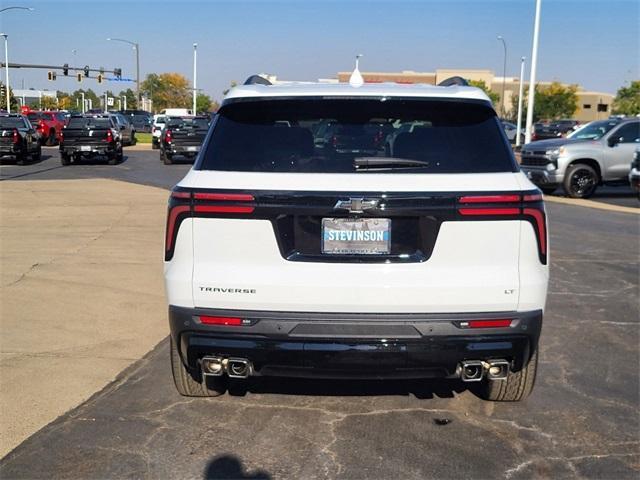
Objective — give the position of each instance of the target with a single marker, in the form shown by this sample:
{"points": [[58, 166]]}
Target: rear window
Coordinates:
{"points": [[96, 122], [188, 122], [35, 116], [338, 135], [12, 122]]}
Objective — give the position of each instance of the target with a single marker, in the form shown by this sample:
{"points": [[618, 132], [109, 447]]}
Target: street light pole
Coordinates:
{"points": [[195, 76], [136, 47], [504, 71], [521, 91], [532, 75], [6, 70]]}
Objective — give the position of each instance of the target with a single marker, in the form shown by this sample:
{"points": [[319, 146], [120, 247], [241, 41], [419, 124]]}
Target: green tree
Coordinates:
{"points": [[167, 90], [493, 96], [12, 99], [132, 102], [204, 103], [627, 101], [75, 99], [552, 102]]}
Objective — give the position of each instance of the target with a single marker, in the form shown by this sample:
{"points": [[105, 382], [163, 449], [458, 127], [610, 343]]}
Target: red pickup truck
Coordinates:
{"points": [[49, 125]]}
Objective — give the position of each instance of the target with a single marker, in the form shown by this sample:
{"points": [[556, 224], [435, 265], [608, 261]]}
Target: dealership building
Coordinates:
{"points": [[591, 105]]}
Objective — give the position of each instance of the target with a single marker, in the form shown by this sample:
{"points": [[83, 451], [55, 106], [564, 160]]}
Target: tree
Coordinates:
{"points": [[204, 104], [627, 101], [552, 102], [12, 99], [130, 95], [167, 90], [493, 96], [49, 103]]}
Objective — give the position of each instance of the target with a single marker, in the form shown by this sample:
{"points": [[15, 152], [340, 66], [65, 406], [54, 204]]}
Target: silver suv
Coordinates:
{"points": [[596, 154]]}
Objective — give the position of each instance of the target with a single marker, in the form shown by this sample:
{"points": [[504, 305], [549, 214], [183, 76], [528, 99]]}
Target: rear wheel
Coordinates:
{"points": [[516, 387], [154, 144], [191, 383], [37, 155], [113, 159], [167, 158], [21, 158], [65, 159], [580, 181], [51, 139]]}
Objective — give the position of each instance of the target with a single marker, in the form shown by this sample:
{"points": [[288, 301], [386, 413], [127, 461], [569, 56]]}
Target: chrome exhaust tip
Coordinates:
{"points": [[238, 368], [498, 369], [212, 366], [471, 370]]}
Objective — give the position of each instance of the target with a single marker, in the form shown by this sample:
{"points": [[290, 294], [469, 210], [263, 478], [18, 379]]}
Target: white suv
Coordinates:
{"points": [[300, 251]]}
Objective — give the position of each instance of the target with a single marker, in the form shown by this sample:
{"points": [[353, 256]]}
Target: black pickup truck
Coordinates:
{"points": [[182, 136], [18, 138], [89, 136]]}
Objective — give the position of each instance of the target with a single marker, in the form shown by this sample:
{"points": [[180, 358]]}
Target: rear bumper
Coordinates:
{"points": [[88, 149], [182, 149], [354, 345]]}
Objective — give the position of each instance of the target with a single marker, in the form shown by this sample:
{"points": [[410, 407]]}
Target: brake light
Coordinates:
{"points": [[41, 125], [16, 136], [198, 204], [501, 323], [527, 207], [61, 135], [207, 320], [109, 136], [168, 136]]}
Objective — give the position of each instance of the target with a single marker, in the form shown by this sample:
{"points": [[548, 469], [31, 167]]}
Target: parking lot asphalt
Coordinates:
{"points": [[142, 165], [582, 420]]}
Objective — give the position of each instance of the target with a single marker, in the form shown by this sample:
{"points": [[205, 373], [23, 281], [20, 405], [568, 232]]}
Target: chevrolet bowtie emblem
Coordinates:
{"points": [[356, 205]]}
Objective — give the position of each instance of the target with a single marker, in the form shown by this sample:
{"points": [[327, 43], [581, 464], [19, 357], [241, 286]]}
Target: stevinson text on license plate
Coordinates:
{"points": [[356, 236]]}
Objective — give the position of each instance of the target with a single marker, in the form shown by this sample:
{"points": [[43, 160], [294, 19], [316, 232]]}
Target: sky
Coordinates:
{"points": [[593, 43]]}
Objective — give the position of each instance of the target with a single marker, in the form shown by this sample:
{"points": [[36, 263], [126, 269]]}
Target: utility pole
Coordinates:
{"points": [[504, 71], [521, 91], [532, 75], [195, 76], [84, 109], [6, 70]]}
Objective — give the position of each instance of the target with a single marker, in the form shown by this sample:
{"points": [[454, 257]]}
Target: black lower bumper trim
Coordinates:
{"points": [[354, 345]]}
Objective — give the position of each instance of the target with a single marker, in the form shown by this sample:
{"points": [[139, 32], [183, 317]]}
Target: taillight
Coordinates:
{"points": [[16, 136], [497, 323], [61, 135], [208, 320], [109, 136], [168, 136], [510, 206], [41, 125], [185, 204]]}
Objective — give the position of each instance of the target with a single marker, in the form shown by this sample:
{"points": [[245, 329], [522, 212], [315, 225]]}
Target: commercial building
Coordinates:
{"points": [[591, 105]]}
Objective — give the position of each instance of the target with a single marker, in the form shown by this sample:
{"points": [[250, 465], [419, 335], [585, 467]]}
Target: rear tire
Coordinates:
{"points": [[580, 181], [65, 159], [167, 158], [154, 144], [192, 383], [36, 157], [21, 158], [516, 387], [113, 159], [51, 139]]}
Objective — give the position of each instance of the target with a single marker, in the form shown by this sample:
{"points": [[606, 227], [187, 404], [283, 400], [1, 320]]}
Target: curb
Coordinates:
{"points": [[577, 202]]}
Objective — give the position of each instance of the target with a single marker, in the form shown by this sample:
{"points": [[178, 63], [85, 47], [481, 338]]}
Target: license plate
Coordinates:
{"points": [[356, 236], [85, 148], [192, 149]]}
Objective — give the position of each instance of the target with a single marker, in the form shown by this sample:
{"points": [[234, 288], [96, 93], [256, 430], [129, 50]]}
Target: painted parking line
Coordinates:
{"points": [[579, 202]]}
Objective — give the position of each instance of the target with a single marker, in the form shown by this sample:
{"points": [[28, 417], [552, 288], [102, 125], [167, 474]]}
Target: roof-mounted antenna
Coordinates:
{"points": [[356, 80]]}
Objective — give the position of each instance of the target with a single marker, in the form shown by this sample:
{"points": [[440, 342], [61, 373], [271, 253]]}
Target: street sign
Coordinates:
{"points": [[110, 101]]}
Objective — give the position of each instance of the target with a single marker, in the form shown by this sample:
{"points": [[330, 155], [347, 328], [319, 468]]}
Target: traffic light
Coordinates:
{"points": [[65, 69], [79, 77], [117, 72], [86, 71], [99, 78], [50, 76]]}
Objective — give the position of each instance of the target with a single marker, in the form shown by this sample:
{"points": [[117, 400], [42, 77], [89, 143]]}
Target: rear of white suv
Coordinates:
{"points": [[295, 250]]}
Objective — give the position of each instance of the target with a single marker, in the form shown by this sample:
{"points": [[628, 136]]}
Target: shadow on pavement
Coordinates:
{"points": [[230, 467]]}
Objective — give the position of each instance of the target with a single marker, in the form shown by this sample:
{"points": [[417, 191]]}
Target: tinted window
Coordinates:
{"points": [[188, 122], [12, 122], [594, 130], [276, 135], [628, 133], [97, 122]]}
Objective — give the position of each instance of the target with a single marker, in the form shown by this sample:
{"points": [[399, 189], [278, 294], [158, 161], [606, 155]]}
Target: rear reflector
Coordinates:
{"points": [[486, 323], [222, 209], [185, 195], [224, 197], [489, 211], [206, 320], [490, 199], [532, 198]]}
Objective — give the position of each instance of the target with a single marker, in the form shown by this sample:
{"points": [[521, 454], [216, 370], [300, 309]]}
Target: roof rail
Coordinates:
{"points": [[451, 81], [257, 80]]}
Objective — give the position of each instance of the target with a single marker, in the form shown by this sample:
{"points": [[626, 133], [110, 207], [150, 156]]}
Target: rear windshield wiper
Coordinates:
{"points": [[387, 162]]}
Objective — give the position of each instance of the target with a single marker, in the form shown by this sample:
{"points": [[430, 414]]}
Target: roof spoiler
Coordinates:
{"points": [[257, 80], [454, 81]]}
